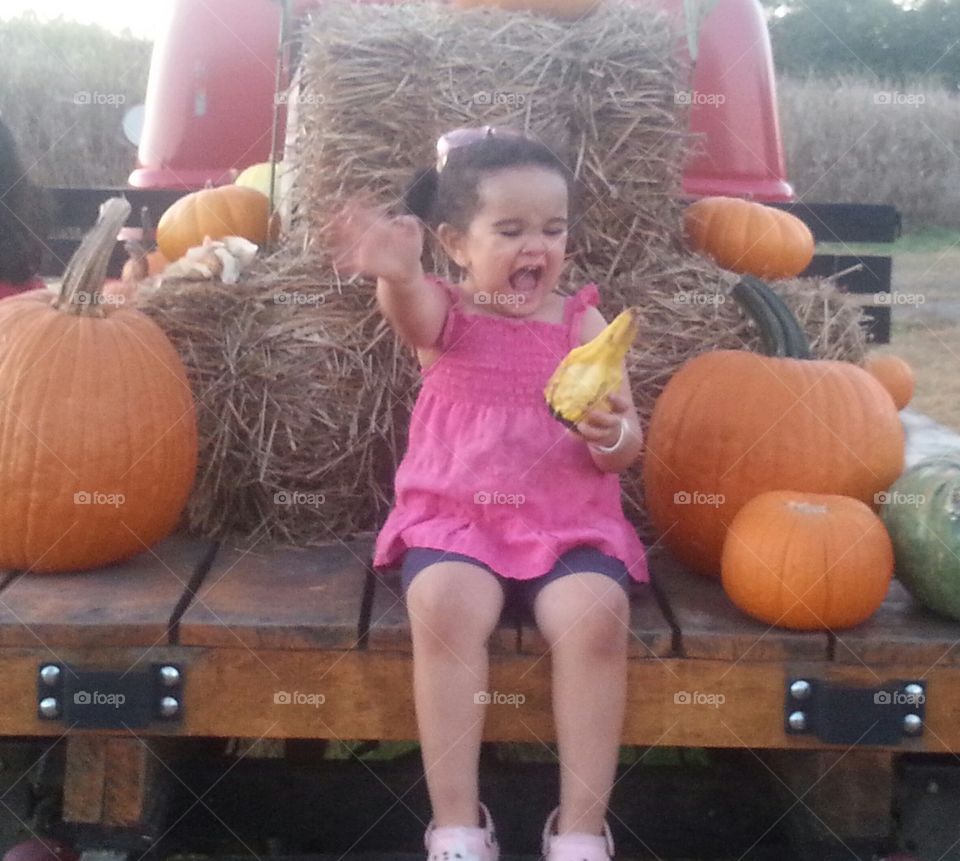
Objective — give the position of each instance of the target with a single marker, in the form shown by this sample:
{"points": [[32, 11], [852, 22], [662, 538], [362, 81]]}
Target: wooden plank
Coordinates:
{"points": [[834, 795], [85, 773], [901, 631], [368, 694], [710, 626], [389, 626], [280, 597], [651, 635], [111, 781], [131, 603]]}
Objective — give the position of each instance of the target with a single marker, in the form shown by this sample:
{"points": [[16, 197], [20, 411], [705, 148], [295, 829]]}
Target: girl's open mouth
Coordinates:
{"points": [[526, 279]]}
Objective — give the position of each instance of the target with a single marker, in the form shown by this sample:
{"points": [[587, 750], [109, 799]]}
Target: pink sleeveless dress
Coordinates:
{"points": [[488, 472]]}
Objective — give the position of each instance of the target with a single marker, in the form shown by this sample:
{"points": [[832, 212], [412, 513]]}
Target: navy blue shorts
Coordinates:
{"points": [[521, 593]]}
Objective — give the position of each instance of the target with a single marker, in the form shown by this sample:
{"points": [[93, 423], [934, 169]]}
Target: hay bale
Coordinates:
{"points": [[304, 394], [380, 83]]}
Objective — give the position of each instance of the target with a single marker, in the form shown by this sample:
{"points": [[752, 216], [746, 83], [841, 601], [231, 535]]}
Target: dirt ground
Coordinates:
{"points": [[926, 329]]}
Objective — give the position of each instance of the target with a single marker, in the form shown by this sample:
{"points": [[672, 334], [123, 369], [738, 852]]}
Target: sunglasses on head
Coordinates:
{"points": [[467, 136]]}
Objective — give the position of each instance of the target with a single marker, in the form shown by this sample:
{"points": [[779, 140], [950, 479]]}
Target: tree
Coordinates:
{"points": [[890, 39]]}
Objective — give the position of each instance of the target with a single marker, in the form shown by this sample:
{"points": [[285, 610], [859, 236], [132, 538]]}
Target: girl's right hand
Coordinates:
{"points": [[366, 240]]}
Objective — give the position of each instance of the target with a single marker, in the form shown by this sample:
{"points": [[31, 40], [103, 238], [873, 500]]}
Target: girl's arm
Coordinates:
{"points": [[416, 308], [601, 427], [367, 240]]}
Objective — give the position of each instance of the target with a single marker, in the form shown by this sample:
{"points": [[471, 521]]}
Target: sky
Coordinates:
{"points": [[141, 18]]}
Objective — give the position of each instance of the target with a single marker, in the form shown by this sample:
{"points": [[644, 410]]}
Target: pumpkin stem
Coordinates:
{"points": [[87, 269], [797, 344], [771, 329]]}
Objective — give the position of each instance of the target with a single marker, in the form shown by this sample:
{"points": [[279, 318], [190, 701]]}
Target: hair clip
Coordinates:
{"points": [[464, 137]]}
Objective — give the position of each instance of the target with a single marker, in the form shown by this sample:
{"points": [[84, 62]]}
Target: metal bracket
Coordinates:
{"points": [[856, 716], [110, 699]]}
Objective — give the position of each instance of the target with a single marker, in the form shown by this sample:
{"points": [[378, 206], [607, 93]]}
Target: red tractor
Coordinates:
{"points": [[210, 99]]}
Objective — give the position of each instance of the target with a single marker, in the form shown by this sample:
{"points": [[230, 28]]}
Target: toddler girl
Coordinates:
{"points": [[495, 496]]}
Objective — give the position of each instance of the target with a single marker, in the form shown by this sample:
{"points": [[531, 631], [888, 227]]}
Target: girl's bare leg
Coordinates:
{"points": [[453, 607], [585, 620]]}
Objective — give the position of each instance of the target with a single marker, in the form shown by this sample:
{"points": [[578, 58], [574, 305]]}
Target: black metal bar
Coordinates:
{"points": [[79, 207], [874, 276], [57, 252], [847, 222]]}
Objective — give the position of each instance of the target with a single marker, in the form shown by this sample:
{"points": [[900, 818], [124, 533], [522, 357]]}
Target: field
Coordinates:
{"points": [[858, 141]]}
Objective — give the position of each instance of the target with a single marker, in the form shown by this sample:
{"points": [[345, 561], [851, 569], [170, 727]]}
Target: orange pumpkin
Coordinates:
{"points": [[807, 561], [231, 210], [564, 9], [98, 433], [731, 424], [749, 237], [894, 374]]}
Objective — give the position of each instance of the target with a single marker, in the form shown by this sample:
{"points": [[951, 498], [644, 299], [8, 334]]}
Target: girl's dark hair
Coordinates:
{"points": [[451, 196], [24, 216]]}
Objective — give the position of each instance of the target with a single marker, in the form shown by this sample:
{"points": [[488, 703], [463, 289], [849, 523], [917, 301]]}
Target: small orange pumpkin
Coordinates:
{"points": [[807, 561], [894, 374], [748, 237], [231, 210]]}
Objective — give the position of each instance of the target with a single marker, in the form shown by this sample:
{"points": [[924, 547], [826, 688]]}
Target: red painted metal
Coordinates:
{"points": [[210, 98]]}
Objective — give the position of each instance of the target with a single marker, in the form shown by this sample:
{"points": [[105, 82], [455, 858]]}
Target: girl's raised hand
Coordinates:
{"points": [[367, 240]]}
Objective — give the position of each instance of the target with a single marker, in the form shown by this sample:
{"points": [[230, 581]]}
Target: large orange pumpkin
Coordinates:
{"points": [[731, 424], [749, 237], [894, 374], [231, 210], [807, 561], [98, 435]]}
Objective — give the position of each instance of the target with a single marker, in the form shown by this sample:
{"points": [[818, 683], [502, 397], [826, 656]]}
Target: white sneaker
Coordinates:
{"points": [[458, 843], [576, 846]]}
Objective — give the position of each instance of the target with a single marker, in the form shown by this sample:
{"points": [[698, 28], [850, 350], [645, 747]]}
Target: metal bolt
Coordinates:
{"points": [[801, 689], [49, 707], [913, 690], [797, 721], [912, 724], [50, 675], [169, 706], [169, 676]]}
